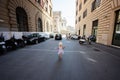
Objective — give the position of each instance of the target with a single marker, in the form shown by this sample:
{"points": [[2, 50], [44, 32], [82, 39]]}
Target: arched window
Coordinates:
{"points": [[22, 19], [40, 25]]}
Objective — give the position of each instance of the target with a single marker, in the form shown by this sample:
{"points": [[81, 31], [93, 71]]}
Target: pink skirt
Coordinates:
{"points": [[60, 51]]}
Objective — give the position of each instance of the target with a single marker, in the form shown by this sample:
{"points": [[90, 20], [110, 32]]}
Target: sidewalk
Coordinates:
{"points": [[110, 49]]}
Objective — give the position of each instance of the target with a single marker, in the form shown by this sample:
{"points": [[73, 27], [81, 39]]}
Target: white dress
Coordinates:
{"points": [[60, 50]]}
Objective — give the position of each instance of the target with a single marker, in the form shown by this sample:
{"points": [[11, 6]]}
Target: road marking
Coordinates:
{"points": [[92, 60], [82, 52], [68, 42]]}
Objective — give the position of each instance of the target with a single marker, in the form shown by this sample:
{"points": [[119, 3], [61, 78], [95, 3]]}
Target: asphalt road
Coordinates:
{"points": [[40, 62]]}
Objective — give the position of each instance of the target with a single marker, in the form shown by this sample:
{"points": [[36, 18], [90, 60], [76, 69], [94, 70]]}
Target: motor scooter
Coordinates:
{"points": [[83, 40]]}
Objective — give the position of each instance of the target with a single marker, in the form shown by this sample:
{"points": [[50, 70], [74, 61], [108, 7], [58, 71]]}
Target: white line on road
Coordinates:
{"points": [[82, 52]]}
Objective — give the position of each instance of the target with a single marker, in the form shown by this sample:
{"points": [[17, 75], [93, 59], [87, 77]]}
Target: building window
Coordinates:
{"points": [[39, 1], [85, 13], [76, 13], [85, 1], [76, 21], [116, 35], [94, 27], [79, 19], [47, 1], [84, 28], [22, 19], [46, 9], [80, 7], [79, 32], [50, 11], [46, 6], [77, 2], [40, 25], [98, 2], [95, 4]]}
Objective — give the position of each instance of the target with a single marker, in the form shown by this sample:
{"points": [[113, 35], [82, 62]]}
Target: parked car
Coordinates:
{"points": [[40, 37], [45, 35], [58, 37], [11, 44], [75, 37], [92, 38], [11, 40], [35, 38], [51, 35]]}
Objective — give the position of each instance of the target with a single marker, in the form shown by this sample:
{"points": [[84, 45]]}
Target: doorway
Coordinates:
{"points": [[116, 34], [40, 29], [94, 27]]}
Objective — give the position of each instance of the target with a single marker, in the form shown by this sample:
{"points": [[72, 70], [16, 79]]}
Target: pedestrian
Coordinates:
{"points": [[69, 36], [60, 50], [66, 36]]}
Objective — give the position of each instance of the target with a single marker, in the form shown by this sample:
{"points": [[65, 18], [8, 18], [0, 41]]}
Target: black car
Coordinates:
{"points": [[34, 38], [58, 37], [11, 44], [51, 35]]}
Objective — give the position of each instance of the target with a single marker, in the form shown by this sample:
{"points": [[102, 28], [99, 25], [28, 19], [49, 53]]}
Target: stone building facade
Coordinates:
{"points": [[57, 21], [26, 15], [60, 24], [100, 18], [63, 26]]}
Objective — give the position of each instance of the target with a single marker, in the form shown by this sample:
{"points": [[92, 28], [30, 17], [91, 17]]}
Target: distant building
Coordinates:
{"points": [[100, 18], [26, 15], [63, 27], [70, 30], [56, 21], [59, 22]]}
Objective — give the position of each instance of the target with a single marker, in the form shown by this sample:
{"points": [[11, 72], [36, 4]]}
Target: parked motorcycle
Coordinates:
{"points": [[2, 45], [84, 40], [81, 41]]}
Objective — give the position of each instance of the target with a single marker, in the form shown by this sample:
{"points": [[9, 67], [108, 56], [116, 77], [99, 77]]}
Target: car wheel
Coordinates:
{"points": [[3, 49]]}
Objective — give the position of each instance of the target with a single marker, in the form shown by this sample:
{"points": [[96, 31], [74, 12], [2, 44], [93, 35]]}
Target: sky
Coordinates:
{"points": [[67, 7]]}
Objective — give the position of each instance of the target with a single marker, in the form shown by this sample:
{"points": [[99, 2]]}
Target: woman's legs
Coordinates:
{"points": [[60, 55]]}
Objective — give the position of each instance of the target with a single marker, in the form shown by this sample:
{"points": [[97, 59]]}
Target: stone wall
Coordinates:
{"points": [[105, 14], [8, 20]]}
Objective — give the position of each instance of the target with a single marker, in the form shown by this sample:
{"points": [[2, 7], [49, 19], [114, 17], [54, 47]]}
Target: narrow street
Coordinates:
{"points": [[40, 62]]}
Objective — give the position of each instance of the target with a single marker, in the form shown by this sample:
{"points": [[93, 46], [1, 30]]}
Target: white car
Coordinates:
{"points": [[74, 37], [43, 34]]}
